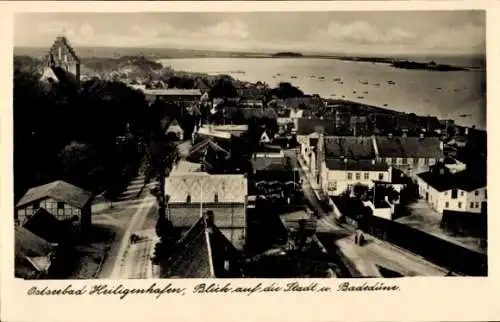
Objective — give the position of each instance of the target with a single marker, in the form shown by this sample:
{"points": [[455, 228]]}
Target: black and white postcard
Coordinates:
{"points": [[186, 157]]}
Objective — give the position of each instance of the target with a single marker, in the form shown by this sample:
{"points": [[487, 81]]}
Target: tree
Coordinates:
{"points": [[161, 156], [223, 88], [81, 165]]}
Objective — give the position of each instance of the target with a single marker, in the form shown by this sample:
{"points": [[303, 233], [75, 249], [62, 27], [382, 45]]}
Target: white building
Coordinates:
{"points": [[410, 154], [344, 162], [461, 191]]}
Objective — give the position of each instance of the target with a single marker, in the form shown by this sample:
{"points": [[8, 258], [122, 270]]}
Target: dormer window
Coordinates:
{"points": [[188, 198], [216, 197]]}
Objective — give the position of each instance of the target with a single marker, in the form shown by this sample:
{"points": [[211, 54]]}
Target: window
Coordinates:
{"points": [[188, 198], [459, 205], [472, 205], [216, 197], [446, 193], [332, 186], [461, 193], [404, 161], [367, 176], [477, 205], [426, 161], [388, 160], [349, 176], [454, 194], [394, 160], [36, 205], [60, 205], [476, 193], [410, 161], [381, 176], [358, 176], [447, 204]]}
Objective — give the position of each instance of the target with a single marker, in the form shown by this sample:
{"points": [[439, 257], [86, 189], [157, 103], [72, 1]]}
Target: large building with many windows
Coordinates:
{"points": [[463, 191]]}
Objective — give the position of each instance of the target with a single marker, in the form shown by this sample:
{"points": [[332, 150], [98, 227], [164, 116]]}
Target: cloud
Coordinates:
{"points": [[221, 33], [362, 34], [457, 37], [80, 34]]}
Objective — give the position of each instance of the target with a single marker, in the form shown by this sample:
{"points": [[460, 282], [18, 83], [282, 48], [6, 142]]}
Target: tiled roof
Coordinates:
{"points": [[356, 165], [45, 225], [273, 163], [202, 253], [202, 148], [29, 246], [412, 147], [207, 132], [58, 190], [191, 258], [186, 167], [225, 215], [173, 92], [306, 126], [350, 147], [201, 186], [464, 180]]}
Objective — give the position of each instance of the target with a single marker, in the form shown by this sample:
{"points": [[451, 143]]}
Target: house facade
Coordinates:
{"points": [[461, 191], [190, 194], [61, 199], [344, 162], [410, 154], [338, 176]]}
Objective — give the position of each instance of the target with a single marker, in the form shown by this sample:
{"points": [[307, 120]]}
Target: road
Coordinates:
{"points": [[375, 253], [126, 260]]}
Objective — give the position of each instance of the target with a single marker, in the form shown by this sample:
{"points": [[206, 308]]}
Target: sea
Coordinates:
{"points": [[457, 95]]}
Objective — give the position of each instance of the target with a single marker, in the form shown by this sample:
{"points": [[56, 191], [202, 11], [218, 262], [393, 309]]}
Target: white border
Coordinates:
{"points": [[420, 299]]}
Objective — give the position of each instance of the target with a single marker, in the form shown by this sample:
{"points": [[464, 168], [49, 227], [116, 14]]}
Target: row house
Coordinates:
{"points": [[409, 154], [344, 162], [463, 191]]}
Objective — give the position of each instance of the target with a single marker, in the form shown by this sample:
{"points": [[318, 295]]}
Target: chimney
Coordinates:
{"points": [[421, 136], [389, 135], [404, 134], [441, 145], [373, 162]]}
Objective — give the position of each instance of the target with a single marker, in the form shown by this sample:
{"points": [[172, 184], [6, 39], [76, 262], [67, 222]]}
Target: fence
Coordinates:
{"points": [[454, 257]]}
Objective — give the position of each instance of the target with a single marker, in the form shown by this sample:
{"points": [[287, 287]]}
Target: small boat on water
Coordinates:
{"points": [[391, 82], [341, 83], [312, 76], [364, 83], [456, 90], [333, 95], [294, 76], [376, 84], [278, 74], [321, 77], [354, 92], [385, 104], [438, 88], [337, 79], [343, 96], [274, 76], [361, 97], [365, 92]]}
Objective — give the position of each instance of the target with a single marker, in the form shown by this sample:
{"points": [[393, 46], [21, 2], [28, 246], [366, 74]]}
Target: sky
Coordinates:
{"points": [[375, 32]]}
